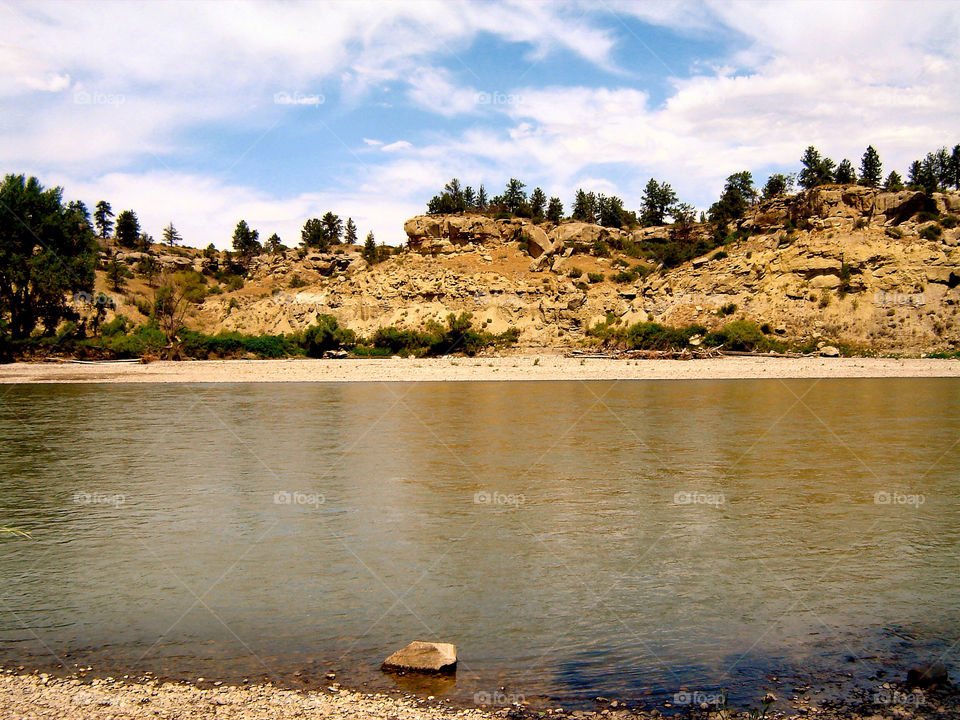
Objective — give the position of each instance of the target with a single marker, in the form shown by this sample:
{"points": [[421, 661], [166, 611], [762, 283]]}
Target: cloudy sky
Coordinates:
{"points": [[207, 112]]}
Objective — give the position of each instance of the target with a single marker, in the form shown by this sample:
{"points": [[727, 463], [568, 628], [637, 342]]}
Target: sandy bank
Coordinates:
{"points": [[519, 367]]}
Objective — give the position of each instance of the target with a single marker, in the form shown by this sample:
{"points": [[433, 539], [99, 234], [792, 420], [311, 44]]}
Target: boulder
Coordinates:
{"points": [[420, 656], [537, 241], [924, 676], [829, 351]]}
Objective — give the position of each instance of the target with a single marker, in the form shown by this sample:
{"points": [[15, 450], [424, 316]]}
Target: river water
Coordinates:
{"points": [[573, 539]]}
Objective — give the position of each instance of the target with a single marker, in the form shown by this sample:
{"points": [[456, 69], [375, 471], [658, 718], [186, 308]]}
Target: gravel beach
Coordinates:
{"points": [[544, 366], [40, 696]]}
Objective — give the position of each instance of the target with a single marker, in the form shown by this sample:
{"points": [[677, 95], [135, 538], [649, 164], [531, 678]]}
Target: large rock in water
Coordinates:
{"points": [[424, 657]]}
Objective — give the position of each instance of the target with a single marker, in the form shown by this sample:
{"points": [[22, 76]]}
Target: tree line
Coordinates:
{"points": [[937, 170]]}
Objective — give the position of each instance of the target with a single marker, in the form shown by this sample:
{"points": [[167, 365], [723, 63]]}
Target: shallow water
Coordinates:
{"points": [[630, 539]]}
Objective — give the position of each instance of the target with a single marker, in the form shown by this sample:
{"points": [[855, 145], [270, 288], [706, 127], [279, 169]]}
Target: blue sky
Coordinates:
{"points": [[181, 111]]}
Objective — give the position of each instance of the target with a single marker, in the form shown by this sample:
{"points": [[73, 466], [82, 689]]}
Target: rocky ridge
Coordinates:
{"points": [[837, 264]]}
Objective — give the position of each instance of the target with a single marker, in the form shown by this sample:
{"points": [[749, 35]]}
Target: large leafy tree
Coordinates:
{"points": [[128, 229], [103, 218], [817, 170], [47, 251], [871, 169], [658, 199]]}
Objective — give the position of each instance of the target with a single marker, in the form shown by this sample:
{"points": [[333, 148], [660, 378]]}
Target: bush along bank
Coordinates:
{"points": [[117, 339], [739, 335]]}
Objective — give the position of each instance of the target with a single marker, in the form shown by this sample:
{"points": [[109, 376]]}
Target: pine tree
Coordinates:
{"points": [[101, 218], [273, 243], [955, 166], [482, 200], [894, 182], [584, 207], [514, 198], [369, 252], [332, 227], [170, 235], [128, 229], [350, 237], [469, 199], [313, 235], [871, 168], [845, 173], [245, 240], [777, 184], [656, 203], [538, 202], [816, 170], [555, 210], [116, 273]]}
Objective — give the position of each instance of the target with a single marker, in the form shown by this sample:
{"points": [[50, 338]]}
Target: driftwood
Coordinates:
{"points": [[685, 354], [127, 361]]}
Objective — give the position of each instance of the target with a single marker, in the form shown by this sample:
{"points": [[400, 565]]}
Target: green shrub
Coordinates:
{"points": [[595, 277], [927, 216], [719, 255], [949, 222], [600, 248], [624, 276], [737, 335], [860, 224], [728, 309], [931, 232], [325, 335], [296, 281], [575, 273]]}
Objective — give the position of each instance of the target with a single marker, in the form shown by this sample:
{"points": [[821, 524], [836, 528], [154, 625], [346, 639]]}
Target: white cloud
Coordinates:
{"points": [[398, 145]]}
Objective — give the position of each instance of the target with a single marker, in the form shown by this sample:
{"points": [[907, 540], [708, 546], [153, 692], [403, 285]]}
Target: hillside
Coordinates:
{"points": [[837, 264]]}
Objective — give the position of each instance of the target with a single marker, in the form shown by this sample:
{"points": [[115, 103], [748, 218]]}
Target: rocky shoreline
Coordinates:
{"points": [[40, 695]]}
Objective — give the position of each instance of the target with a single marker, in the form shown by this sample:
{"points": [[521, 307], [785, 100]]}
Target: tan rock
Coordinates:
{"points": [[424, 657]]}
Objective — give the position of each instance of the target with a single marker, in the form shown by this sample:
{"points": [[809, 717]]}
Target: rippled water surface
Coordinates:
{"points": [[573, 539]]}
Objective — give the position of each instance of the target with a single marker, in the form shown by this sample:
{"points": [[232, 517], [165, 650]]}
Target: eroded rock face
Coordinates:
{"points": [[429, 657]]}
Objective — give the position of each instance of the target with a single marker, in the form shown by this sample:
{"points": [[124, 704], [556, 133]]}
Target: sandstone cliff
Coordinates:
{"points": [[841, 264]]}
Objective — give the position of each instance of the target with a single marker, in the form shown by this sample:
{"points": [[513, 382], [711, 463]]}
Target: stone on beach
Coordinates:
{"points": [[424, 657], [927, 675]]}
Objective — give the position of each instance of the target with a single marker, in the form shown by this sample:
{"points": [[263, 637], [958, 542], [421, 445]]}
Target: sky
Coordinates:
{"points": [[203, 113]]}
